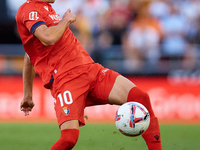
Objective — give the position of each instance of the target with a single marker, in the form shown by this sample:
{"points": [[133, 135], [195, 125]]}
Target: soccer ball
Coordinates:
{"points": [[132, 119]]}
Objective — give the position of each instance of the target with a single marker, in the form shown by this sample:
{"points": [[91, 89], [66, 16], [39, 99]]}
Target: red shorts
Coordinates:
{"points": [[80, 87]]}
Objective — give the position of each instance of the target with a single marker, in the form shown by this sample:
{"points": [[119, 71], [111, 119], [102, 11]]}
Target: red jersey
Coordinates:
{"points": [[48, 61]]}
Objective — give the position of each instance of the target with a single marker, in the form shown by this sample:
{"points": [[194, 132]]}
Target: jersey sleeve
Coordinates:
{"points": [[32, 18]]}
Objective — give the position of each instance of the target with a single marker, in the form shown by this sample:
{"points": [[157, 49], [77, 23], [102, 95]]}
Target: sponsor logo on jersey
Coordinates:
{"points": [[33, 15], [55, 17], [65, 111]]}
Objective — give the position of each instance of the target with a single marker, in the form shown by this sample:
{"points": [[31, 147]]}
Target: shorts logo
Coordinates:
{"points": [[33, 15], [65, 111]]}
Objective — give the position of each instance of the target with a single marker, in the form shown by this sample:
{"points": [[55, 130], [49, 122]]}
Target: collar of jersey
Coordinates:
{"points": [[38, 1]]}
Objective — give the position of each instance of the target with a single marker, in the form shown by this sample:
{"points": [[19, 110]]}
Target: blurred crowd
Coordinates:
{"points": [[147, 31]]}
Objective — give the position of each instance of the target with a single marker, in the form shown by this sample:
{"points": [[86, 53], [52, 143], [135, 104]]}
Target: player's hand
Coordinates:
{"points": [[71, 18], [26, 106]]}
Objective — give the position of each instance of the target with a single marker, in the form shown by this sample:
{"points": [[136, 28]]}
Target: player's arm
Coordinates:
{"points": [[50, 35], [28, 77]]}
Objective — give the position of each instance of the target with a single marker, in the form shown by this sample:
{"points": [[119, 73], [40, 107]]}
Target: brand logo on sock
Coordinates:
{"points": [[157, 137]]}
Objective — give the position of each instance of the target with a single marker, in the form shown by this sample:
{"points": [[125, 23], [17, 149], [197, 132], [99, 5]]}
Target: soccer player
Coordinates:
{"points": [[68, 71]]}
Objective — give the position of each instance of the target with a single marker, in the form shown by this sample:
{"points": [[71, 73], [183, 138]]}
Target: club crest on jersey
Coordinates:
{"points": [[65, 111], [33, 15]]}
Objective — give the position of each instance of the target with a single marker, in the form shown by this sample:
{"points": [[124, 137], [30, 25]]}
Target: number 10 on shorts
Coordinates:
{"points": [[66, 98]]}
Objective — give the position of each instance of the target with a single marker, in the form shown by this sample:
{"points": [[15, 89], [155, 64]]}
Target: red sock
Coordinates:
{"points": [[152, 135], [67, 140]]}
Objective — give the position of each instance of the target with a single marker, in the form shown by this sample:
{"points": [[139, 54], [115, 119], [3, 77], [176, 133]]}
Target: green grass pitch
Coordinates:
{"points": [[95, 136]]}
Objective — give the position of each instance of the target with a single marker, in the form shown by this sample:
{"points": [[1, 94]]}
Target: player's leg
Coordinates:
{"points": [[70, 95], [110, 87], [69, 108], [69, 136], [125, 91]]}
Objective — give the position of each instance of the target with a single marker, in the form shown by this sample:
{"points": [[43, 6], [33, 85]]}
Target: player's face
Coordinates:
{"points": [[49, 1]]}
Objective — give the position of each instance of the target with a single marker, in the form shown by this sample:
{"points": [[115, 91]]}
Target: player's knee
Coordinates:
{"points": [[69, 138], [145, 97], [68, 144], [137, 95]]}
